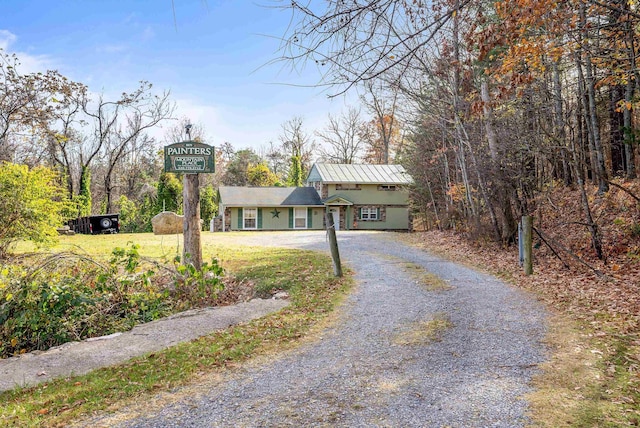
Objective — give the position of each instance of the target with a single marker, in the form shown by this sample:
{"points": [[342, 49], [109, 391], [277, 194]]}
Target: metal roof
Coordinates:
{"points": [[358, 173], [237, 196]]}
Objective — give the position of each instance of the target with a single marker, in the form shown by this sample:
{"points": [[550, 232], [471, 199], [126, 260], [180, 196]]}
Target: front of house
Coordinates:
{"points": [[359, 197], [363, 197]]}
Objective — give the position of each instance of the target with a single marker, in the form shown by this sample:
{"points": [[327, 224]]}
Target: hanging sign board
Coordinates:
{"points": [[189, 157]]}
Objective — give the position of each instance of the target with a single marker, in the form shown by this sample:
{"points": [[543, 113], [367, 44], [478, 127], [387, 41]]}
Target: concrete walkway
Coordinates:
{"points": [[77, 358]]}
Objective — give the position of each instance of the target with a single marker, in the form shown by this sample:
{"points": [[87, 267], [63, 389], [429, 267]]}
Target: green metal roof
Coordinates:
{"points": [[237, 196], [358, 173]]}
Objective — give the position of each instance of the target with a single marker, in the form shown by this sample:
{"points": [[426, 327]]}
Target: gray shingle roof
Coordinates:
{"points": [[352, 173], [236, 196]]}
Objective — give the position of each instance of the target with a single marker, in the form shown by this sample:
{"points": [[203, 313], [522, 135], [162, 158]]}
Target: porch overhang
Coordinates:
{"points": [[337, 200]]}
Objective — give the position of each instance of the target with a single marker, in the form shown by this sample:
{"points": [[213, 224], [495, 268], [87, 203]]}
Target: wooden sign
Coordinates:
{"points": [[189, 157]]}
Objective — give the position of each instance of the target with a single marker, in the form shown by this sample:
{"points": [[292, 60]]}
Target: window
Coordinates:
{"points": [[388, 187], [300, 218], [368, 214], [348, 186], [250, 218]]}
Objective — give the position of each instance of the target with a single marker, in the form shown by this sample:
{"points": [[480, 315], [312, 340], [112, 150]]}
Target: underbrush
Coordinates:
{"points": [[50, 299]]}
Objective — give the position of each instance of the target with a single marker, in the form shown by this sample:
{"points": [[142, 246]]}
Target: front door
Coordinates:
{"points": [[335, 212]]}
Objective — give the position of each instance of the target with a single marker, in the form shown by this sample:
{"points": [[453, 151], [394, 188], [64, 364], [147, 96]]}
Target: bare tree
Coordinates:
{"points": [[277, 159], [122, 124], [342, 138], [177, 132], [29, 103], [384, 133], [354, 41], [296, 142]]}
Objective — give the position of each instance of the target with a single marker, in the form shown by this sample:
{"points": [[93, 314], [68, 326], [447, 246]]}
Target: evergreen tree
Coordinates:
{"points": [[208, 204], [169, 193]]}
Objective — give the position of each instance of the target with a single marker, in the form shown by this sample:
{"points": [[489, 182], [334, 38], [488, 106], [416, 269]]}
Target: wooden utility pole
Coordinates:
{"points": [[333, 244]]}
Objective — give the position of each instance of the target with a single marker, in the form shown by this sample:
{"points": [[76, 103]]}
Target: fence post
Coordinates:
{"points": [[527, 237], [333, 244]]}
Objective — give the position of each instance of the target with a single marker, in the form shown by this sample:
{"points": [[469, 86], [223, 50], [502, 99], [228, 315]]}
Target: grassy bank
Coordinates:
{"points": [[306, 276]]}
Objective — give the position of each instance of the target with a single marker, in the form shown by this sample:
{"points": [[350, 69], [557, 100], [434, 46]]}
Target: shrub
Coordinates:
{"points": [[51, 300], [31, 205]]}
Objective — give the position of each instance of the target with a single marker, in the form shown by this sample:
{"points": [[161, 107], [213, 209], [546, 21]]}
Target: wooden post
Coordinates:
{"points": [[527, 237], [333, 244], [192, 252]]}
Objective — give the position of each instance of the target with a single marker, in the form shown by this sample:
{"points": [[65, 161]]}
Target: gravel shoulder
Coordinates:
{"points": [[374, 367]]}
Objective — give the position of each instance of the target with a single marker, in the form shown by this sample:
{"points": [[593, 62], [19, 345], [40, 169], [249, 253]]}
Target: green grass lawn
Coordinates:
{"points": [[307, 276]]}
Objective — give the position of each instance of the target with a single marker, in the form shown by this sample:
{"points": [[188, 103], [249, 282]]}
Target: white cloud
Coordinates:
{"points": [[28, 63], [206, 115], [116, 48], [221, 123], [6, 39]]}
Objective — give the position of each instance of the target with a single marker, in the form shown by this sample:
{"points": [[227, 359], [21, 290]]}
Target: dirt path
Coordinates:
{"points": [[377, 366]]}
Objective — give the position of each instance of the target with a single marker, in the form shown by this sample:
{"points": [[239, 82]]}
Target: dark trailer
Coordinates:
{"points": [[96, 224]]}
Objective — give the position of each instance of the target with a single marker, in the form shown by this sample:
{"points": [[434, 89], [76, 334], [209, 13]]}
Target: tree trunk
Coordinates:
{"points": [[108, 190], [584, 118], [488, 121], [192, 253], [596, 240], [560, 125], [616, 130], [629, 135], [629, 140], [501, 194], [590, 81]]}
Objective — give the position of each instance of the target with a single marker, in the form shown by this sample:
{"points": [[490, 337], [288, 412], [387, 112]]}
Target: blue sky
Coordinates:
{"points": [[212, 59]]}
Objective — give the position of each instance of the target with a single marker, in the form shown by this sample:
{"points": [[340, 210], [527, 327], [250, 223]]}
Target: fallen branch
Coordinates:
{"points": [[627, 191], [571, 253], [566, 265]]}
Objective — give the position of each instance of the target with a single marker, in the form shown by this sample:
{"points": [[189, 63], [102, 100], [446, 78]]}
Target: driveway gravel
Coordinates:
{"points": [[362, 372]]}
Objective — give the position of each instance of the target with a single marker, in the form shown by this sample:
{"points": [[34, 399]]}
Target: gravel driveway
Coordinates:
{"points": [[363, 372]]}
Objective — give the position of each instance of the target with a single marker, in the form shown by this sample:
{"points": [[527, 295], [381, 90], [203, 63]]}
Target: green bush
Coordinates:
{"points": [[31, 205], [48, 301], [208, 205], [135, 216], [197, 287]]}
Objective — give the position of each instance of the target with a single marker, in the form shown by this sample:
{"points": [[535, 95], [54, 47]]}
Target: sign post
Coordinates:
{"points": [[190, 158]]}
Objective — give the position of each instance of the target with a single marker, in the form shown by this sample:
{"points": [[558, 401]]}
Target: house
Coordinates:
{"points": [[363, 197], [360, 197], [269, 208]]}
